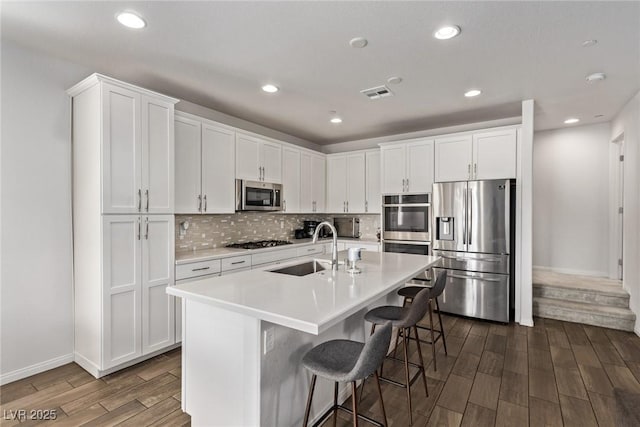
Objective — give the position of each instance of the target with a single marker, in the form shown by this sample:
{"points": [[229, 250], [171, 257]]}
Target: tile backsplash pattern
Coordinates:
{"points": [[217, 231]]}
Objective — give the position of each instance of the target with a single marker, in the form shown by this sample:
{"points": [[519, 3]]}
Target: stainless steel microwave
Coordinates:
{"points": [[258, 196]]}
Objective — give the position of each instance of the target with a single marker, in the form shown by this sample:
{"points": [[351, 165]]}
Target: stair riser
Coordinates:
{"points": [[580, 296], [580, 317]]}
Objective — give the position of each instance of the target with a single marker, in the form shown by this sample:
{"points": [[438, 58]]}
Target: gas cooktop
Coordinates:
{"points": [[259, 244]]}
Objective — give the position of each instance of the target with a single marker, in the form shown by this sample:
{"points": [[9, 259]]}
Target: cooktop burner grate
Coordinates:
{"points": [[259, 244]]}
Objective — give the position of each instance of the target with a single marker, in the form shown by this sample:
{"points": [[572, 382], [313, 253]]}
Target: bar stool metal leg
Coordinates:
{"points": [[306, 412], [444, 340], [335, 404], [354, 389], [405, 337], [384, 413], [433, 341], [424, 376]]}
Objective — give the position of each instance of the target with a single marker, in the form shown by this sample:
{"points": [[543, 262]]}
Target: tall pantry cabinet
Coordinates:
{"points": [[123, 224]]}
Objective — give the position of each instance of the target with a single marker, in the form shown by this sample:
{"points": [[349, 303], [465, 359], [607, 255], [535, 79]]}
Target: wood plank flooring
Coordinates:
{"points": [[554, 374]]}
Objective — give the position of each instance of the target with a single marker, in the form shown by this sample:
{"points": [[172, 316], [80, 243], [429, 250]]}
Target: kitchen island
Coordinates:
{"points": [[245, 334]]}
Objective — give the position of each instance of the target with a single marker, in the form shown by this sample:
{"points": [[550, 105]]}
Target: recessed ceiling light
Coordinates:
{"points": [[571, 121], [447, 32], [394, 80], [473, 92], [131, 20], [336, 120], [596, 77], [358, 42], [589, 43], [269, 88]]}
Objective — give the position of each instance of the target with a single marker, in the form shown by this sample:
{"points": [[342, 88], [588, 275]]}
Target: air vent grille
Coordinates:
{"points": [[377, 92]]}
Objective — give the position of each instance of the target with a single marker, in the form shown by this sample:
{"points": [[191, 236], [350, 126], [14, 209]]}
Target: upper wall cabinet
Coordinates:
{"points": [[132, 131], [407, 167], [205, 158], [373, 202], [258, 159], [312, 182], [346, 188], [480, 155], [291, 180]]}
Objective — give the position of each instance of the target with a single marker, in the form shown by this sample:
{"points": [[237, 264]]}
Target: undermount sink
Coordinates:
{"points": [[303, 269]]}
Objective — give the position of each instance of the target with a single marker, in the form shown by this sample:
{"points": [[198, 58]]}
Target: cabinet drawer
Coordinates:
{"points": [[273, 256], [236, 262], [195, 269], [310, 250]]}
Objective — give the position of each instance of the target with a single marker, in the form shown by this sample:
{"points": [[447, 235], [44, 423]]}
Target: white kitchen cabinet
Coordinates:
{"points": [[487, 154], [158, 313], [312, 182], [407, 167], [137, 145], [454, 157], [373, 202], [205, 158], [258, 159], [494, 154], [123, 238], [291, 167], [346, 189]]}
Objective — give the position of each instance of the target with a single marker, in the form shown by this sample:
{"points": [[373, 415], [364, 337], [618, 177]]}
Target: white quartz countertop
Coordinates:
{"points": [[311, 303], [216, 253]]}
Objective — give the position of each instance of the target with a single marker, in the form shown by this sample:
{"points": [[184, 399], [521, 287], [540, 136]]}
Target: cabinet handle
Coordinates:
{"points": [[310, 250], [284, 205], [403, 186], [475, 170], [139, 200], [237, 262], [146, 232], [199, 203], [138, 228], [407, 184], [344, 206], [347, 206], [146, 192], [366, 206], [313, 206], [200, 269], [205, 202], [469, 170]]}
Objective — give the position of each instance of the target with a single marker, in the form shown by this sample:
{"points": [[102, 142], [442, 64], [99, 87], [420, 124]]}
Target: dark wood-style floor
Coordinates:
{"points": [[556, 373]]}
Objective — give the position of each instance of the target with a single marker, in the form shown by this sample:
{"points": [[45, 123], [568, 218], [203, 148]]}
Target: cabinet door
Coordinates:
{"points": [[291, 180], [494, 154], [218, 177], [336, 184], [187, 161], [306, 182], [420, 166], [319, 183], [157, 155], [158, 311], [373, 203], [453, 158], [271, 161], [393, 169], [122, 288], [247, 157], [121, 151], [356, 187]]}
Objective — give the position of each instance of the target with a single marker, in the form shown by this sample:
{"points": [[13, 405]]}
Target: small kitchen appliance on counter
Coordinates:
{"points": [[347, 227], [310, 228]]}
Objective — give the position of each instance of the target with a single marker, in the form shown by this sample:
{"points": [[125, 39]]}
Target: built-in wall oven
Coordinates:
{"points": [[406, 222]]}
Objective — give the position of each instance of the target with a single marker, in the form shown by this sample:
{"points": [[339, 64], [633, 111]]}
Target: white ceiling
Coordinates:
{"points": [[218, 54]]}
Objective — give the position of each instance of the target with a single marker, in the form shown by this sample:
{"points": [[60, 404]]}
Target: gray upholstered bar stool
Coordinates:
{"points": [[409, 293], [405, 319], [347, 361]]}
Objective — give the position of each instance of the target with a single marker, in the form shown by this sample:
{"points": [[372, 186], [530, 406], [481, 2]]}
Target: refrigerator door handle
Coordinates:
{"points": [[464, 231], [470, 197], [484, 279]]}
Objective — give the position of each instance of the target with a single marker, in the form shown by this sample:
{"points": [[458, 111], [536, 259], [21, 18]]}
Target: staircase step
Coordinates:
{"points": [[587, 313], [586, 289]]}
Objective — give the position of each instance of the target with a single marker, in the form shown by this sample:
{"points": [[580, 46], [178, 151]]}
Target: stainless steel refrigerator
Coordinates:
{"points": [[472, 232]]}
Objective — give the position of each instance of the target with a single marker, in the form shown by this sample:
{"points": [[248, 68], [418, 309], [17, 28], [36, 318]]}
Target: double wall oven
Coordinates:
{"points": [[406, 221]]}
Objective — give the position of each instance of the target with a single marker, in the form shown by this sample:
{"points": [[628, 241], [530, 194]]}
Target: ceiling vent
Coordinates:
{"points": [[377, 92]]}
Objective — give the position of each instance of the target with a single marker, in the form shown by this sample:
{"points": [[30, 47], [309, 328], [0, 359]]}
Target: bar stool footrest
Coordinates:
{"points": [[334, 408]]}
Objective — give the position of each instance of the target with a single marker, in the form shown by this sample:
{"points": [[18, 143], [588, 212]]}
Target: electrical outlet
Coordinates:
{"points": [[281, 224], [268, 339]]}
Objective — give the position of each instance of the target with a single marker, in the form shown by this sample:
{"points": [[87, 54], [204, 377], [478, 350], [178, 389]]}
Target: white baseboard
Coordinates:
{"points": [[603, 274], [25, 372], [526, 322], [95, 370]]}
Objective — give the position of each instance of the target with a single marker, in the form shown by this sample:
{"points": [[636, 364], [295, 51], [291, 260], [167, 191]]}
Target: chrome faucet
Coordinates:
{"points": [[334, 247]]}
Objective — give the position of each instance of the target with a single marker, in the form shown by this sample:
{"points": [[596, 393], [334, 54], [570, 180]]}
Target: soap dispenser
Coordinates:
{"points": [[353, 256]]}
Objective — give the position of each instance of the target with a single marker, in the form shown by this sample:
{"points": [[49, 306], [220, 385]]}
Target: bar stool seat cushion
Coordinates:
{"points": [[334, 360], [388, 313]]}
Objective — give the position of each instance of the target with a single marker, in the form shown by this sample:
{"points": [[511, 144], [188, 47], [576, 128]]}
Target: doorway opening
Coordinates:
{"points": [[618, 188]]}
